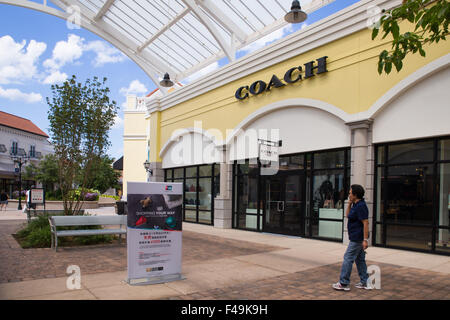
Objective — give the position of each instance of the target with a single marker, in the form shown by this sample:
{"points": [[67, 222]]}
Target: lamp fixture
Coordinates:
{"points": [[166, 82], [147, 167], [296, 15]]}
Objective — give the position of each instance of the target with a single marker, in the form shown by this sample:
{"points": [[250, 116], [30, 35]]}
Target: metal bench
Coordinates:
{"points": [[59, 221]]}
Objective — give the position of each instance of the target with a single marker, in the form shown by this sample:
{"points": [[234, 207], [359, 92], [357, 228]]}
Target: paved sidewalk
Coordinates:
{"points": [[222, 264]]}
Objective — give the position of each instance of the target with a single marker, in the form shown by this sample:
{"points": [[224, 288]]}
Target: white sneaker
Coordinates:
{"points": [[340, 287], [360, 285]]}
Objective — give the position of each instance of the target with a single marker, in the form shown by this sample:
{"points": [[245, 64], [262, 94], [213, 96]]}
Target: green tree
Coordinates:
{"points": [[104, 176], [46, 172], [80, 116], [430, 19]]}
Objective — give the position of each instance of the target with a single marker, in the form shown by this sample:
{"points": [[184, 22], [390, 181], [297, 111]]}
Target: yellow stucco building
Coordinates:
{"points": [[333, 121]]}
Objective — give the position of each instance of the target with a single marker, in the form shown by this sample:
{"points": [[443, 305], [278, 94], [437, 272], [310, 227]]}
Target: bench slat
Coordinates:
{"points": [[88, 220], [71, 233]]}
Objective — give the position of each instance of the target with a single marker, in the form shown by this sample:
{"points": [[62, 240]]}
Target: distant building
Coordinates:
{"points": [[22, 138]]}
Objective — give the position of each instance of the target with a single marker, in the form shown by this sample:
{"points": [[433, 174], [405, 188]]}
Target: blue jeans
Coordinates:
{"points": [[355, 253]]}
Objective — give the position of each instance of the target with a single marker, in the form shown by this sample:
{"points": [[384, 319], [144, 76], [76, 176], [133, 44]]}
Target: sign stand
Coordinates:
{"points": [[37, 196], [154, 233]]}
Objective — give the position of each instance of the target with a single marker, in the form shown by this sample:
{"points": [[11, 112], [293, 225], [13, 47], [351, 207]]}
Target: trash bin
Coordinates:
{"points": [[121, 207]]}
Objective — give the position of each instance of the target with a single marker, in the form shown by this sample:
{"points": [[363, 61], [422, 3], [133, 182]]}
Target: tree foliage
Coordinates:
{"points": [[104, 176], [45, 171], [80, 116], [430, 19]]}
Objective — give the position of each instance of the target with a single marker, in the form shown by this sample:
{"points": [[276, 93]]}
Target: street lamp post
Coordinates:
{"points": [[19, 161]]}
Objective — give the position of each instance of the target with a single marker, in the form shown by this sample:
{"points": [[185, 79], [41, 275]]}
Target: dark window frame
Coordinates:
{"points": [[197, 181], [309, 172], [385, 165]]}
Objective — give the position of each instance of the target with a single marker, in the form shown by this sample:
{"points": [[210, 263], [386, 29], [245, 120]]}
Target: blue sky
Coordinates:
{"points": [[37, 49]]}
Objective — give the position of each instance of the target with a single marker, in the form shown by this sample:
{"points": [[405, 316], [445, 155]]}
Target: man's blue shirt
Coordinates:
{"points": [[358, 212]]}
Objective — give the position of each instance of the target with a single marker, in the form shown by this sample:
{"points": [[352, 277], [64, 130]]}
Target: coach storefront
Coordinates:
{"points": [[315, 104], [304, 198]]}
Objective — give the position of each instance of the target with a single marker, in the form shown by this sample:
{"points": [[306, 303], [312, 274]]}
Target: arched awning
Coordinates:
{"points": [[176, 36]]}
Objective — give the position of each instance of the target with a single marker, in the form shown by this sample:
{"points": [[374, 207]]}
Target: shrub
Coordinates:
{"points": [[117, 198]]}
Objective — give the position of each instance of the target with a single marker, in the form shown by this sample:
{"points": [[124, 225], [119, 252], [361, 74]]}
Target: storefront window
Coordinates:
{"points": [[328, 160], [443, 238], [380, 156], [178, 173], [198, 191], [413, 200], [380, 194], [410, 194], [191, 172], [408, 237], [410, 152], [299, 199], [329, 195], [444, 149], [205, 171], [204, 194]]}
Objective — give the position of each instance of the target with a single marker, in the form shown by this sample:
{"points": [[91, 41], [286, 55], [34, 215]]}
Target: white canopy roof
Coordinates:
{"points": [[175, 36]]}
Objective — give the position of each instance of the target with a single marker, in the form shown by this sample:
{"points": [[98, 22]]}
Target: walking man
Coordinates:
{"points": [[358, 233]]}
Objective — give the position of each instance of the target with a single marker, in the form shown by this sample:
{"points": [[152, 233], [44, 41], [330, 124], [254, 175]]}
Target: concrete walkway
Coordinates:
{"points": [[273, 274]]}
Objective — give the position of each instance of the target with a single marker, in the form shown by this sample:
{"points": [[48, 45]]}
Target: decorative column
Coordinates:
{"points": [[362, 166], [222, 202]]}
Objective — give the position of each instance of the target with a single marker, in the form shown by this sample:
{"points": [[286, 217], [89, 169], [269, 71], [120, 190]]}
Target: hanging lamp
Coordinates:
{"points": [[166, 82], [296, 15]]}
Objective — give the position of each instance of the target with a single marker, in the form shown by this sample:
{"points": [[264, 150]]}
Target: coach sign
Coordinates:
{"points": [[291, 76]]}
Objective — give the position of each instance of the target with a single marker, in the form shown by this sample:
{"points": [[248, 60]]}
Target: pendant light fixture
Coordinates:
{"points": [[296, 15], [166, 82]]}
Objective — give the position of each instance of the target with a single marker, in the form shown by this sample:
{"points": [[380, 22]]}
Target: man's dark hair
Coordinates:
{"points": [[358, 191]]}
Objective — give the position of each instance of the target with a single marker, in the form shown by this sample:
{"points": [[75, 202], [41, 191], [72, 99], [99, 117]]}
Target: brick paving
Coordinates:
{"points": [[397, 283], [17, 264]]}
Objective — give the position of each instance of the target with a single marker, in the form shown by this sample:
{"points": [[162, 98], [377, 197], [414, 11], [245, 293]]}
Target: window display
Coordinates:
{"points": [[201, 185]]}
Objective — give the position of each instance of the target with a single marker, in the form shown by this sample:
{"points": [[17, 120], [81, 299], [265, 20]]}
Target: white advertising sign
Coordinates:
{"points": [[37, 196], [154, 233]]}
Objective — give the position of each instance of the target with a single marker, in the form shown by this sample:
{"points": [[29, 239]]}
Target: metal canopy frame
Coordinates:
{"points": [[176, 36]]}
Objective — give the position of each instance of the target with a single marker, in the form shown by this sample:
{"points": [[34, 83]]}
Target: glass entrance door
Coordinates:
{"points": [[284, 203]]}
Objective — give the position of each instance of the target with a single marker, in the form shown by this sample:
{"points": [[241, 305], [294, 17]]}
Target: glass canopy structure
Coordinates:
{"points": [[179, 37]]}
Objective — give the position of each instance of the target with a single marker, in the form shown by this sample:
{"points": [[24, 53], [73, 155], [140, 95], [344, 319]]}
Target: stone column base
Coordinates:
{"points": [[222, 213], [158, 172]]}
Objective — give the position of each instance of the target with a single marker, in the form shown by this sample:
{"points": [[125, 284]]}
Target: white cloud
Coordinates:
{"points": [[55, 77], [118, 122], [17, 95], [72, 50], [136, 87], [18, 61], [202, 72], [104, 53], [65, 52]]}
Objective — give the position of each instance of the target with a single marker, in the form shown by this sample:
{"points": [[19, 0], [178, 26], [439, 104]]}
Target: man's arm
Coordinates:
{"points": [[349, 206], [366, 233]]}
